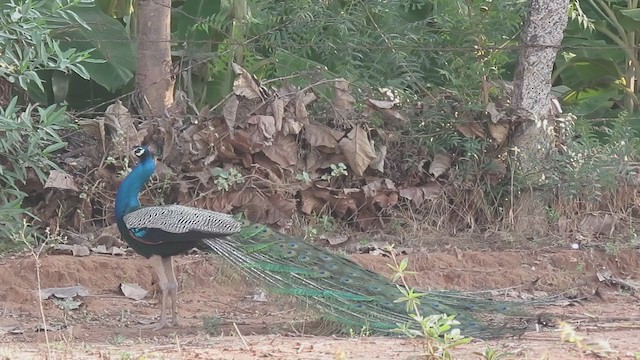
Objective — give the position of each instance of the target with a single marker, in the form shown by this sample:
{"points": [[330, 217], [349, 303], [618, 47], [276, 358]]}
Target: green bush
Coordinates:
{"points": [[30, 134]]}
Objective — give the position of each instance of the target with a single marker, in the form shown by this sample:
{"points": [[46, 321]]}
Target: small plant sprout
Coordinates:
{"points": [[226, 179], [437, 331]]}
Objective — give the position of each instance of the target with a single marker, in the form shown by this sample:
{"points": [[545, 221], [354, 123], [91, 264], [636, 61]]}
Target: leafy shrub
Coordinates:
{"points": [[593, 162], [30, 134]]}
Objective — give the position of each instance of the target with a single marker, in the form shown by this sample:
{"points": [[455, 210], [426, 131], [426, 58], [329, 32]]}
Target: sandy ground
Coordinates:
{"points": [[109, 326]]}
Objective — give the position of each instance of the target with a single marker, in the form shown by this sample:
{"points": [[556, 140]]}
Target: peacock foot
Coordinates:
{"points": [[175, 322], [161, 325], [154, 326]]}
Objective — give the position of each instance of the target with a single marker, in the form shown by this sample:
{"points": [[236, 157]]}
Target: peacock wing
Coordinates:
{"points": [[178, 219]]}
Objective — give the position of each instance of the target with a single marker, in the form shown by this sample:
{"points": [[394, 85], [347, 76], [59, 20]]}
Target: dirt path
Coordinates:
{"points": [[108, 326]]}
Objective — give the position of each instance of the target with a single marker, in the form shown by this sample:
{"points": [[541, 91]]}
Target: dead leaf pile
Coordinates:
{"points": [[266, 156]]}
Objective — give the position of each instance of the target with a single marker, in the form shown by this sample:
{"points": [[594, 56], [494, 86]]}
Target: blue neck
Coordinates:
{"points": [[127, 194]]}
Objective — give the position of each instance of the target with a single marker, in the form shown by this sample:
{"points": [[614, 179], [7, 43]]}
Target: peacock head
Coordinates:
{"points": [[139, 151], [142, 152], [146, 161]]}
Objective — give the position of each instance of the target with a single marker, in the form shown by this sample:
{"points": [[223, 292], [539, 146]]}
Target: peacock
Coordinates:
{"points": [[344, 292]]}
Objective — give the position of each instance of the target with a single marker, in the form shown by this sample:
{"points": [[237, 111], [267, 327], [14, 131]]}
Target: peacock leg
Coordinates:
{"points": [[158, 266], [172, 287]]}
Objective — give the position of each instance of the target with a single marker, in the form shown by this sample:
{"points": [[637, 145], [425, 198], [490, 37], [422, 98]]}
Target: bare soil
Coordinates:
{"points": [[110, 326]]}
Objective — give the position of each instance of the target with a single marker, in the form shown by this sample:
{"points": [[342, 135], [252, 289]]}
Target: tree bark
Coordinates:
{"points": [[533, 139], [154, 80]]}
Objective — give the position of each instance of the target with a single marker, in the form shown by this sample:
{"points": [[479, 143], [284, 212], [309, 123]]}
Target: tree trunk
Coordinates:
{"points": [[542, 34], [154, 79]]}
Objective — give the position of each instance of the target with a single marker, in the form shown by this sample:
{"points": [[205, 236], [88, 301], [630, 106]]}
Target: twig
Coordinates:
{"points": [[244, 342], [36, 256]]}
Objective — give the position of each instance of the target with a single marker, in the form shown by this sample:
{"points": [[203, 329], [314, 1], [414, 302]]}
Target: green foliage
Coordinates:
{"points": [[398, 44], [212, 325], [29, 138], [113, 59], [437, 331], [411, 47], [594, 163], [319, 225], [304, 177], [337, 170], [490, 353], [29, 135], [597, 65], [226, 179], [28, 45]]}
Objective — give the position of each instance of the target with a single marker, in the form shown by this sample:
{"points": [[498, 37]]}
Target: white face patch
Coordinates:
{"points": [[139, 151]]}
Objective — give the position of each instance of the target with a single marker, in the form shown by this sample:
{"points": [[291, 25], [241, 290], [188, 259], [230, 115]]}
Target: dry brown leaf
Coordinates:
{"points": [[311, 201], [284, 151], [495, 171], [82, 213], [335, 240], [357, 148], [301, 110], [230, 112], [266, 129], [440, 164], [111, 250], [277, 108], [316, 160], [203, 115], [80, 250], [120, 126], [368, 220], [308, 98], [184, 193], [322, 136], [96, 129], [126, 136], [59, 179], [495, 114], [499, 132], [378, 162], [315, 199], [387, 108], [602, 224], [471, 129], [200, 140], [372, 188], [61, 249], [291, 126], [418, 194], [386, 200], [343, 100], [225, 202], [274, 210], [432, 191], [243, 142], [381, 104], [245, 84], [343, 205], [133, 291], [226, 150], [64, 292], [279, 210]]}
